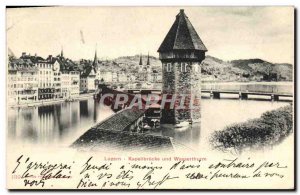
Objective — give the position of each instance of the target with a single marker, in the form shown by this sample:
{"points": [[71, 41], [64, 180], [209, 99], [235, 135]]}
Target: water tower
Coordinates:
{"points": [[181, 53]]}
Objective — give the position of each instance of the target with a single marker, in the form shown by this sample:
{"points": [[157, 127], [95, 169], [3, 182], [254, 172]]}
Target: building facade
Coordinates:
{"points": [[22, 81], [106, 76], [144, 70], [46, 79], [57, 80], [75, 81], [88, 81], [70, 84], [32, 79]]}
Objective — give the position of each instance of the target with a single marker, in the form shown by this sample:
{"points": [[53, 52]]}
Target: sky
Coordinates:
{"points": [[228, 32]]}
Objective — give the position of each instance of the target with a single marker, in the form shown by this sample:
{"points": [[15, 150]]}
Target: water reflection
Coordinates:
{"points": [[63, 123], [54, 123]]}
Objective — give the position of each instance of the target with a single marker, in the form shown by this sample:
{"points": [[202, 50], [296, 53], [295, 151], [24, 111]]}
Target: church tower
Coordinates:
{"points": [[95, 62], [96, 68], [141, 64], [148, 68], [141, 60], [62, 52], [148, 60], [181, 53]]}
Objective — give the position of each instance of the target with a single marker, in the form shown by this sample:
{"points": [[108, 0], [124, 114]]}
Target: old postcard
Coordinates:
{"points": [[150, 98]]}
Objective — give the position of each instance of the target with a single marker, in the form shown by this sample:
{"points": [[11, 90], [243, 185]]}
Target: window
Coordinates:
{"points": [[169, 67], [183, 67]]}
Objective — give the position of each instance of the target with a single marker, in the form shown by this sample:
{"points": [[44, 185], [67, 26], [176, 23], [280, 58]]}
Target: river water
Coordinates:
{"points": [[61, 124]]}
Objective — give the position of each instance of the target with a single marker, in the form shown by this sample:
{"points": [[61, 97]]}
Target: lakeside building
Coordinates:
{"points": [[44, 75], [57, 77], [88, 80], [106, 76], [89, 77], [70, 84], [32, 79], [22, 81], [74, 81]]}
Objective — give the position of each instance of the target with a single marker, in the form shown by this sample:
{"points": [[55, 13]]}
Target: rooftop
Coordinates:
{"points": [[182, 36], [123, 140], [121, 120], [112, 132]]}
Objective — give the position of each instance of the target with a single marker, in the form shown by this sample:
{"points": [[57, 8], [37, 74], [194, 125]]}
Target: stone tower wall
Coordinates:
{"points": [[182, 82]]}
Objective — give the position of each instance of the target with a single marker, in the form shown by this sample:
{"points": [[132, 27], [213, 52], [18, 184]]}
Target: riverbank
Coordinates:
{"points": [[268, 130], [50, 102]]}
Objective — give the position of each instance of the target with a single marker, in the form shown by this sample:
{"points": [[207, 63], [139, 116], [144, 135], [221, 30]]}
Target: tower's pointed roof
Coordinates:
{"points": [[182, 35]]}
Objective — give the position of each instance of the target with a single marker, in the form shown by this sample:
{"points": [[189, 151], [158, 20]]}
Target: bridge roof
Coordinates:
{"points": [[121, 120], [122, 140]]}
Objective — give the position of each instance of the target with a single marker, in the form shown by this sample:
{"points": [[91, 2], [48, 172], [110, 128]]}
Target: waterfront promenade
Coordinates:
{"points": [[50, 102]]}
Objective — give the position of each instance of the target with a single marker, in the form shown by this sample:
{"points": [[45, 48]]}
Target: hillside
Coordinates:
{"points": [[212, 68], [245, 70], [134, 60]]}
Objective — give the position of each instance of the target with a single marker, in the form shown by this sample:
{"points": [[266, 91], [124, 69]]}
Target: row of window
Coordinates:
{"points": [[27, 73], [46, 96], [45, 65], [11, 93], [32, 92], [22, 85], [26, 92], [183, 67], [45, 72], [23, 79], [45, 85]]}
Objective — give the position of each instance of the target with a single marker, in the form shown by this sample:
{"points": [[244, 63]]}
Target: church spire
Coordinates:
{"points": [[141, 60], [148, 59], [62, 52], [95, 58]]}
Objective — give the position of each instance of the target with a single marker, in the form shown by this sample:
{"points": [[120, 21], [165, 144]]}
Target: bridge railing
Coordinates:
{"points": [[260, 88], [278, 88]]}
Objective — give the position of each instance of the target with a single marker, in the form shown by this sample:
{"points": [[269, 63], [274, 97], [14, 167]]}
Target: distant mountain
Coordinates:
{"points": [[282, 71], [134, 60], [245, 70]]}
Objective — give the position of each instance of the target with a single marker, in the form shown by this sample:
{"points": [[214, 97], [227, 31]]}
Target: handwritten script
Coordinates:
{"points": [[92, 173]]}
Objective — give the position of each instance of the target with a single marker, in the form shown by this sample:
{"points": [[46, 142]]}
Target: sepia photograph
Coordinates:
{"points": [[190, 97]]}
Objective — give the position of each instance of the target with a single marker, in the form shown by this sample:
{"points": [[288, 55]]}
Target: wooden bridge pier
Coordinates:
{"points": [[211, 94], [216, 94], [243, 96], [274, 97]]}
